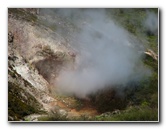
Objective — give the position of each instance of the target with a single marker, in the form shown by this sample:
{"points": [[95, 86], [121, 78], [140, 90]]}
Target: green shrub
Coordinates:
{"points": [[142, 113], [137, 114]]}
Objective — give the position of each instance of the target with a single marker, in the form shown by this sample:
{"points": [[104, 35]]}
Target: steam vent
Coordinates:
{"points": [[83, 64]]}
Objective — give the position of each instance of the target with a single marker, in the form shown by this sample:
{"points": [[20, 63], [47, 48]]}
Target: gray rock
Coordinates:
{"points": [[10, 37], [62, 112]]}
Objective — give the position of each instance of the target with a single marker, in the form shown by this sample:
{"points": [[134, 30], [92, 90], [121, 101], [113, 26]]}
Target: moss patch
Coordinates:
{"points": [[20, 105]]}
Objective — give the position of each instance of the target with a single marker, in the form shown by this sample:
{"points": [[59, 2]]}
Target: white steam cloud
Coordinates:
{"points": [[106, 54]]}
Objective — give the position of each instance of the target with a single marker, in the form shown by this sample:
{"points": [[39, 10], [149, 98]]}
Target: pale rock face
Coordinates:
{"points": [[34, 79], [62, 112], [27, 45]]}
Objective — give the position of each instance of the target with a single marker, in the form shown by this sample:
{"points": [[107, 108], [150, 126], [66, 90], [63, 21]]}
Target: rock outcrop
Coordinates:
{"points": [[34, 59]]}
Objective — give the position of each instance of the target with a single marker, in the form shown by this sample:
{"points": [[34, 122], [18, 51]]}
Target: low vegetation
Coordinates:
{"points": [[141, 113], [21, 14], [18, 105], [53, 117], [138, 100]]}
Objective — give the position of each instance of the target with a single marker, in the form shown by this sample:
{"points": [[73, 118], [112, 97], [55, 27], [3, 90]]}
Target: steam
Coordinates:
{"points": [[151, 22], [106, 54]]}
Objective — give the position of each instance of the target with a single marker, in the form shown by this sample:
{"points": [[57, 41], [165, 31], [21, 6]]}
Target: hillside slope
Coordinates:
{"points": [[39, 49]]}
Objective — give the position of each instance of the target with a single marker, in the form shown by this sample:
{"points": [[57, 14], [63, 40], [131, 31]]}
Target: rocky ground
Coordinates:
{"points": [[36, 53], [32, 56]]}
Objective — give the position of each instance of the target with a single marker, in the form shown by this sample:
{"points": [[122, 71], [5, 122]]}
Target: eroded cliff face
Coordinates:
{"points": [[28, 48], [36, 54]]}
